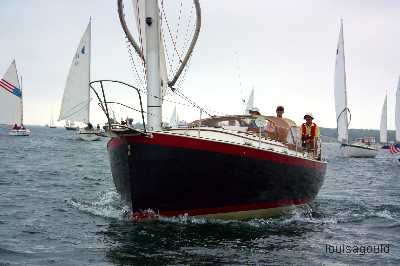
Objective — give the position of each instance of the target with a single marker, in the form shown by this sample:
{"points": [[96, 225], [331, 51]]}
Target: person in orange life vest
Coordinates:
{"points": [[309, 132]]}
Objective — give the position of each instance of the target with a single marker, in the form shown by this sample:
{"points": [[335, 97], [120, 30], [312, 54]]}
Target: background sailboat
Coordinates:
{"points": [[362, 147], [250, 103], [174, 120], [11, 102], [397, 114], [75, 104], [383, 125], [51, 124]]}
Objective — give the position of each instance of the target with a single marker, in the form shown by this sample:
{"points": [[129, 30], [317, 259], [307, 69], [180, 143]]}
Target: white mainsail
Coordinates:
{"points": [[250, 103], [10, 97], [397, 112], [76, 99], [383, 127], [340, 90], [139, 7]]}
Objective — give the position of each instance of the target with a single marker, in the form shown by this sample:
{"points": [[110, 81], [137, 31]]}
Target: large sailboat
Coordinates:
{"points": [[363, 147], [205, 169], [11, 102], [75, 105]]}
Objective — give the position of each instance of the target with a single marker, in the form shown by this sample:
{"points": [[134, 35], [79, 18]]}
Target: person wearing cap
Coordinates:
{"points": [[254, 113], [309, 132], [279, 111]]}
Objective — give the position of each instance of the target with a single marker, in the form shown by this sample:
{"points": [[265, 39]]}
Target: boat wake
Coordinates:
{"points": [[106, 204], [298, 215]]}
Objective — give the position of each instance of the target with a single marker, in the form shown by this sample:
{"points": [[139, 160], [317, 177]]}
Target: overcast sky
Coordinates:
{"points": [[284, 49]]}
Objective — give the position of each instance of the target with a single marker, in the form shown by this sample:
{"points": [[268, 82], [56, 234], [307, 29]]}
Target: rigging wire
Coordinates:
{"points": [[139, 24], [176, 34], [186, 38], [178, 89], [169, 31], [139, 78], [170, 65]]}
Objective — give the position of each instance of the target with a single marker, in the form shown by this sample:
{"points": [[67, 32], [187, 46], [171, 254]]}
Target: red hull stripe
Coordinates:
{"points": [[237, 208], [212, 146]]}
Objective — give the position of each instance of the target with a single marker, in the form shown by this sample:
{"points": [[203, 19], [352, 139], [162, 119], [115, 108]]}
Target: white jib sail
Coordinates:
{"points": [[10, 97], [340, 90], [250, 102], [75, 103], [383, 127], [139, 9], [397, 112]]}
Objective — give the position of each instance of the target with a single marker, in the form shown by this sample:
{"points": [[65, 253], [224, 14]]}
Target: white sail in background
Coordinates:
{"points": [[250, 103], [52, 121], [383, 127], [75, 104], [340, 90], [10, 97], [139, 9], [397, 112], [174, 120]]}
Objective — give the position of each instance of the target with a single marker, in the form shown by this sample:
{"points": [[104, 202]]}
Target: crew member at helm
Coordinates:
{"points": [[309, 132]]}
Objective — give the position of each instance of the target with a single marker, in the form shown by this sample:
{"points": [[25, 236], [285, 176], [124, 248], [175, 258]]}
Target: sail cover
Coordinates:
{"points": [[139, 7], [10, 97], [75, 103], [340, 90], [383, 128], [397, 112]]}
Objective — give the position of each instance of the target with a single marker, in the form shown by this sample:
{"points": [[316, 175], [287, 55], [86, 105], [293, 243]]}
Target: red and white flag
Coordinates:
{"points": [[394, 149]]}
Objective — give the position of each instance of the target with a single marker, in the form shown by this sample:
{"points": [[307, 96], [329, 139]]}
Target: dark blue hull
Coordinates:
{"points": [[173, 179]]}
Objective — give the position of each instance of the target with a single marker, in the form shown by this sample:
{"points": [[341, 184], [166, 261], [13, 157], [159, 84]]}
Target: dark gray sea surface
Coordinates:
{"points": [[58, 206]]}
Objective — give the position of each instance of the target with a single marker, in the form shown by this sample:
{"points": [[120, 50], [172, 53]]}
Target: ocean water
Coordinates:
{"points": [[58, 206]]}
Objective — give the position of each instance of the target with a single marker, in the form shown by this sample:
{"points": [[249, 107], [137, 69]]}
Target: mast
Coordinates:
{"points": [[154, 110]]}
